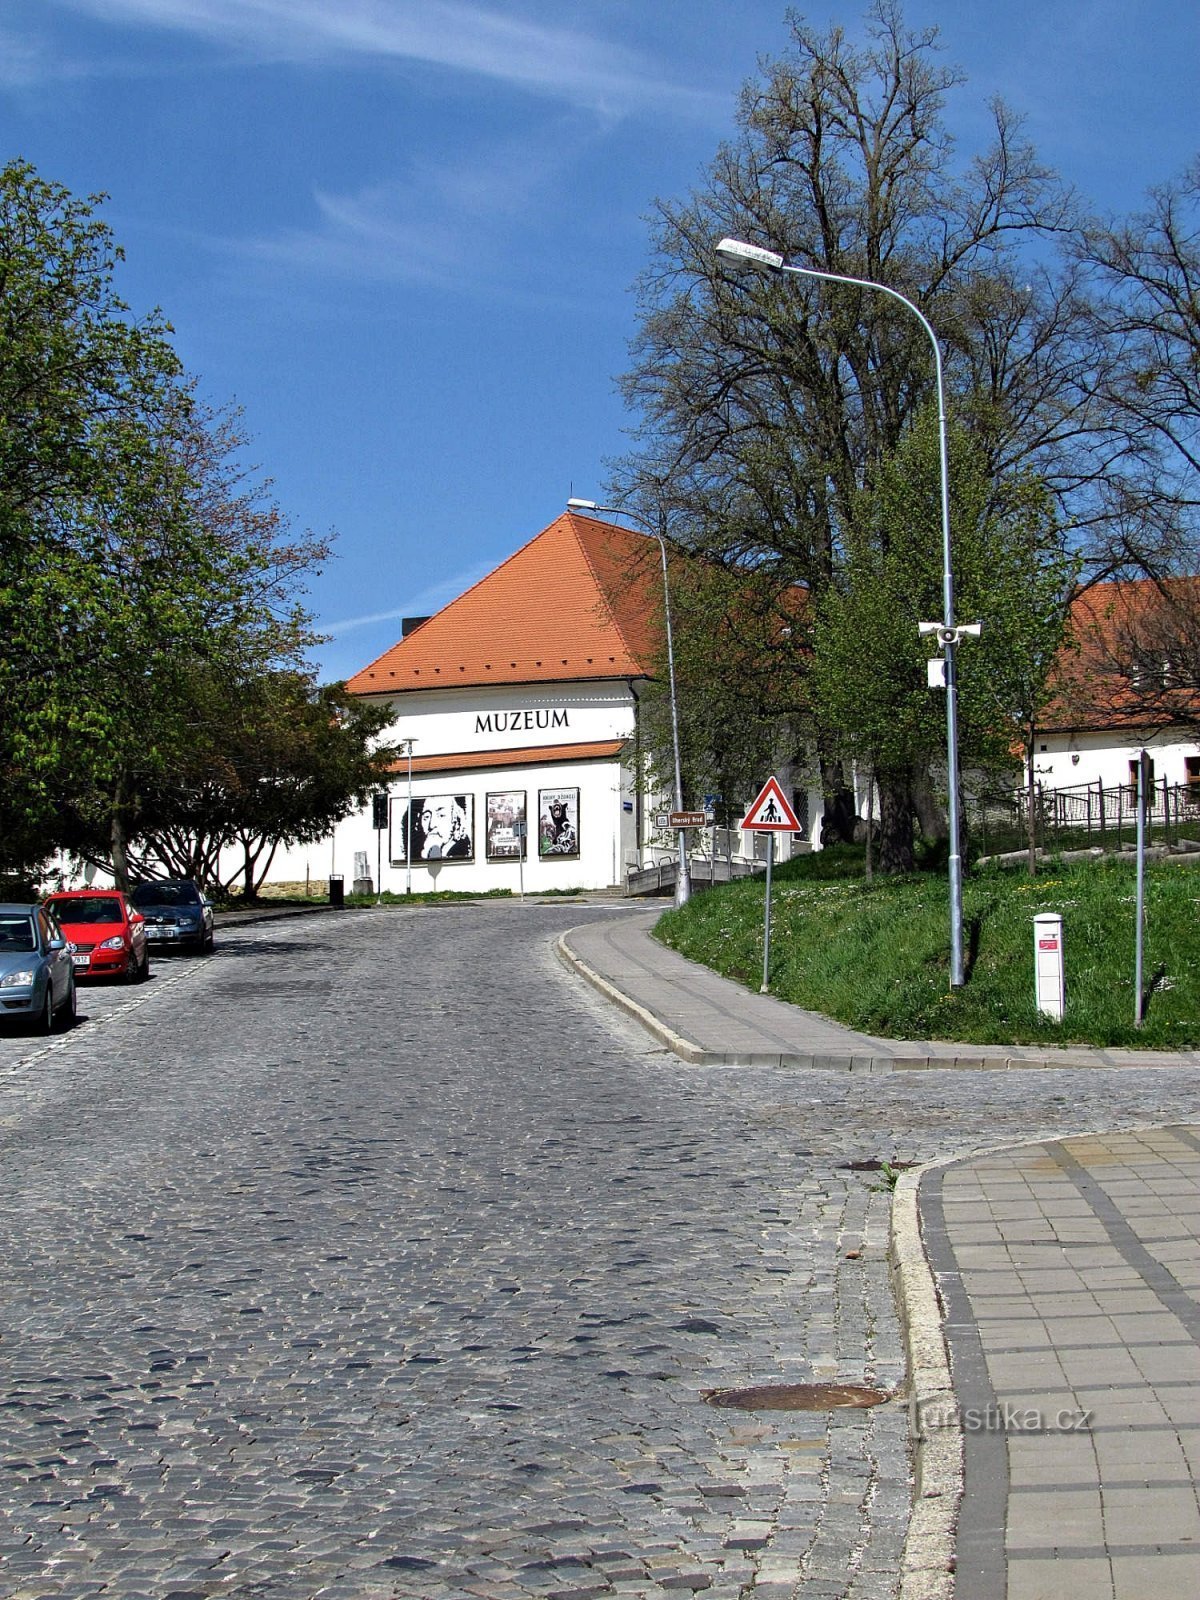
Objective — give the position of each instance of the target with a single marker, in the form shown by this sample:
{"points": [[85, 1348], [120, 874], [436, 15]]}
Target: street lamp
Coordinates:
{"points": [[408, 823], [754, 255], [683, 878]]}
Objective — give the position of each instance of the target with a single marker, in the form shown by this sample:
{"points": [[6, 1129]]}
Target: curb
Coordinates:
{"points": [[676, 1042], [972, 1059], [927, 1563]]}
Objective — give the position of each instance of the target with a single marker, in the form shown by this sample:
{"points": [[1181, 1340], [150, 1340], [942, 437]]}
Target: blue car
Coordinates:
{"points": [[37, 975], [178, 915]]}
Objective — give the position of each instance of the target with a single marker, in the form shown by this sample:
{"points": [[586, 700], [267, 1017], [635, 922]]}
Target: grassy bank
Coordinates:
{"points": [[876, 956]]}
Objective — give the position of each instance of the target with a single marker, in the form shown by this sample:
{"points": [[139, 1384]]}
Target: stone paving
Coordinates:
{"points": [[1070, 1272], [377, 1256]]}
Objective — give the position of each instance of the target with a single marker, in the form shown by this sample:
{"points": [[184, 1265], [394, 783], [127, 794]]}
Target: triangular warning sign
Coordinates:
{"points": [[771, 812]]}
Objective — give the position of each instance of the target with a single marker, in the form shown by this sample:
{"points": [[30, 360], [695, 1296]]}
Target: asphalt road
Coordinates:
{"points": [[375, 1256]]}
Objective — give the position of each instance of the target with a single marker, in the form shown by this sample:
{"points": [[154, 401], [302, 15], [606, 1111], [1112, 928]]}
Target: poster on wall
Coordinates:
{"points": [[558, 822], [506, 825], [441, 827]]}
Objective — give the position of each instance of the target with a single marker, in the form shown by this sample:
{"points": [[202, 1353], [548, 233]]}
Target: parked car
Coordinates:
{"points": [[178, 914], [108, 937], [37, 978]]}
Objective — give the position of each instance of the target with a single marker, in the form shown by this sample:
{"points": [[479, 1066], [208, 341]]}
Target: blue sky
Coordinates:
{"points": [[403, 234]]}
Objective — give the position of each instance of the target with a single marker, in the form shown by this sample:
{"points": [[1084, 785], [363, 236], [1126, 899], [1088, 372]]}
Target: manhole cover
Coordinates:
{"points": [[796, 1396]]}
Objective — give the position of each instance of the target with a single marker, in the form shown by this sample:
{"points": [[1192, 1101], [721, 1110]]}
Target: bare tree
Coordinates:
{"points": [[770, 405]]}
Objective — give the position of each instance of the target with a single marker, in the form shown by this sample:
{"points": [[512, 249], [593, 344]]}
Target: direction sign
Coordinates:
{"points": [[771, 812], [688, 819]]}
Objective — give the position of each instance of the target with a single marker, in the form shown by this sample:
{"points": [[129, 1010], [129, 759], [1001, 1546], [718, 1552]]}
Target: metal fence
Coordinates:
{"points": [[1085, 816]]}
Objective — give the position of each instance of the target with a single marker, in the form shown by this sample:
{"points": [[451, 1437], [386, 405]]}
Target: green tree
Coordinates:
{"points": [[85, 395], [868, 672], [272, 760], [139, 550], [771, 405]]}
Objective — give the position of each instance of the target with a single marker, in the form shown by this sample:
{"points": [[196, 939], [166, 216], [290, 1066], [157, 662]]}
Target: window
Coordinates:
{"points": [[1133, 773], [800, 807], [1192, 768]]}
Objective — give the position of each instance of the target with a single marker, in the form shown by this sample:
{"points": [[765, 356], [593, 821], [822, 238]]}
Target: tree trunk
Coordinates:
{"points": [[837, 821], [1031, 802], [118, 834], [931, 814], [896, 818]]}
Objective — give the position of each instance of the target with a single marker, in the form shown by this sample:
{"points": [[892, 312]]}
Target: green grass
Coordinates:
{"points": [[876, 956]]}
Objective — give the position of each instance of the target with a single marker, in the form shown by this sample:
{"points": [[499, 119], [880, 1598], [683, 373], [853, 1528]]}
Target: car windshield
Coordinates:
{"points": [[84, 908], [165, 894], [16, 933]]}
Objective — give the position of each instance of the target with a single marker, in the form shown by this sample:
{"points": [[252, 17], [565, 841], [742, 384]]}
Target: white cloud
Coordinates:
{"points": [[22, 62], [425, 225], [425, 604], [451, 34]]}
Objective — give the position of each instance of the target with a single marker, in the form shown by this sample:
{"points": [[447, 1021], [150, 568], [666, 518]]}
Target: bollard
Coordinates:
{"points": [[1048, 964]]}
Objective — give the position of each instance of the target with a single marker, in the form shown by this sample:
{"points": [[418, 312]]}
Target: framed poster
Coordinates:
{"points": [[506, 825], [441, 828], [558, 823]]}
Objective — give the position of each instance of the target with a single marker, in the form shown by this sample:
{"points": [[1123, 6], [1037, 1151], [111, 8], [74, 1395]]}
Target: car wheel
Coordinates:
{"points": [[69, 1008], [133, 968], [46, 1020], [145, 965]]}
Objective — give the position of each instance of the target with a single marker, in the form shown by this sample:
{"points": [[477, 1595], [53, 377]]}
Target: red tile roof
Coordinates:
{"points": [[1089, 690], [581, 600], [545, 756]]}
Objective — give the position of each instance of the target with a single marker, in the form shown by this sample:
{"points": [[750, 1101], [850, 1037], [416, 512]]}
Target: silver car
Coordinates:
{"points": [[37, 975]]}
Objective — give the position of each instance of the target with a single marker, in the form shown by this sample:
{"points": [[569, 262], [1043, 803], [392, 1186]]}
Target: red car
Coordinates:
{"points": [[108, 937]]}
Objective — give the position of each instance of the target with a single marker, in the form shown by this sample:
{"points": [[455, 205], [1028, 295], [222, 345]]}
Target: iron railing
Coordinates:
{"points": [[1084, 816]]}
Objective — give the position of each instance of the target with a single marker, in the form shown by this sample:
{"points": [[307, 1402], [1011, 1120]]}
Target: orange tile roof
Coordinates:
{"points": [[581, 600], [546, 755], [1089, 691]]}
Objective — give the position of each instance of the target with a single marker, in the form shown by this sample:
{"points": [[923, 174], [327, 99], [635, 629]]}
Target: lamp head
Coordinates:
{"points": [[753, 255], [574, 504]]}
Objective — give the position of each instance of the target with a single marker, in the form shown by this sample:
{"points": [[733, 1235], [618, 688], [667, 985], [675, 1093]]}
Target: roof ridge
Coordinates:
{"points": [[601, 590], [490, 573]]}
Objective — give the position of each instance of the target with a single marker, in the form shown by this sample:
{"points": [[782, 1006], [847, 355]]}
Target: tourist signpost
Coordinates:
{"points": [[771, 813]]}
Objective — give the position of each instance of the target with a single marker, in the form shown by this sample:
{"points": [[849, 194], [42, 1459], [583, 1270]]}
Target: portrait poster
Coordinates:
{"points": [[441, 827], [506, 825], [558, 823]]}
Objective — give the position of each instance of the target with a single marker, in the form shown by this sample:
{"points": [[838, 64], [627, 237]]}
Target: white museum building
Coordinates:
{"points": [[517, 708]]}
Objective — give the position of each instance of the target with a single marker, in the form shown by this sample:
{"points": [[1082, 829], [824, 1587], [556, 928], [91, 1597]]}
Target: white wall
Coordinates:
{"points": [[468, 720], [1064, 760]]}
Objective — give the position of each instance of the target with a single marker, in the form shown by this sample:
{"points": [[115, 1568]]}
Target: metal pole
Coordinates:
{"points": [[1141, 890], [683, 877], [683, 881], [408, 829], [766, 983], [736, 250]]}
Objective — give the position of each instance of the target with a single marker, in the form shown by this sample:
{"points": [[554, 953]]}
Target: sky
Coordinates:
{"points": [[404, 235]]}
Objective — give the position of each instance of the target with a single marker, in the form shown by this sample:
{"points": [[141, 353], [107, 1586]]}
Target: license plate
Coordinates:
{"points": [[81, 961], [163, 933]]}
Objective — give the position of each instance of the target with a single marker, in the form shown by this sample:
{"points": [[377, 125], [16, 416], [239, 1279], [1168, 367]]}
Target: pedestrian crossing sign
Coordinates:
{"points": [[771, 812]]}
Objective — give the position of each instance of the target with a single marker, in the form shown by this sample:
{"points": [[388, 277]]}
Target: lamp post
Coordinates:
{"points": [[408, 824], [683, 878], [743, 254]]}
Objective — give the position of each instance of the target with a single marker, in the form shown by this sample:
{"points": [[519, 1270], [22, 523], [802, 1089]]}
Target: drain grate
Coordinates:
{"points": [[796, 1396]]}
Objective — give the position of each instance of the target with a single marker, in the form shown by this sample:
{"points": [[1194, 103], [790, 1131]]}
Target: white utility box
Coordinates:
{"points": [[1048, 964]]}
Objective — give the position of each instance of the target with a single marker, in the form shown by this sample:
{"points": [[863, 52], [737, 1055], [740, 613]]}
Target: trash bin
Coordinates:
{"points": [[337, 889]]}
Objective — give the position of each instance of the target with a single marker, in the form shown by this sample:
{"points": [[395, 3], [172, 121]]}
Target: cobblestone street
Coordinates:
{"points": [[376, 1255]]}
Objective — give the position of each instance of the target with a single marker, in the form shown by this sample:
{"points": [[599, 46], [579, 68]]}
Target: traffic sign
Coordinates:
{"points": [[688, 819], [771, 812]]}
